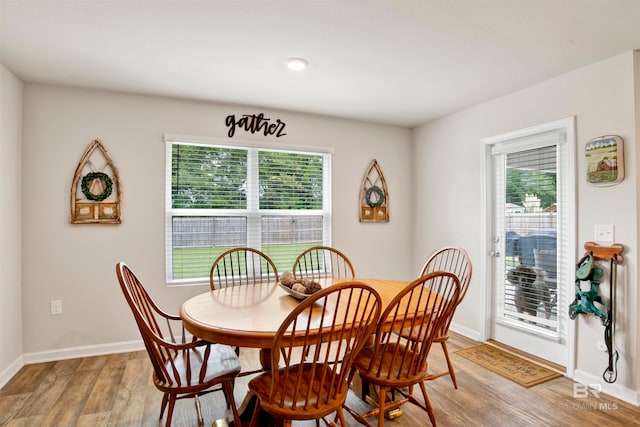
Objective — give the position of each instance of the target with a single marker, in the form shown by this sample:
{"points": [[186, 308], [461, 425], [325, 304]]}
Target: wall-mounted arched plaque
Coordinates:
{"points": [[96, 191], [605, 160], [374, 196]]}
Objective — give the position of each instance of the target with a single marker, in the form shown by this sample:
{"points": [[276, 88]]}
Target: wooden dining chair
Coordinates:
{"points": [[181, 368], [242, 266], [305, 382], [322, 261], [453, 260], [393, 363]]}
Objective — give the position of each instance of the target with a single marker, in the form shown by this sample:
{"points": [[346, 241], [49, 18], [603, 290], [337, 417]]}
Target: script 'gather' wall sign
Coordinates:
{"points": [[374, 196], [96, 191], [255, 123]]}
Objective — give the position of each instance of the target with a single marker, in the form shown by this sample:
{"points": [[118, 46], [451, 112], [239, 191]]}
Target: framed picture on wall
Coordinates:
{"points": [[605, 160]]}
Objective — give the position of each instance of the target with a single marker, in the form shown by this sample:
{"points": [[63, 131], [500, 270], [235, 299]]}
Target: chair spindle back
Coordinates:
{"points": [[242, 266], [321, 262], [453, 260], [314, 348]]}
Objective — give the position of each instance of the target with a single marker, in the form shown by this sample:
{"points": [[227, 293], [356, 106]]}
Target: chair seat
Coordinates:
{"points": [[414, 335], [315, 407], [223, 362], [395, 359]]}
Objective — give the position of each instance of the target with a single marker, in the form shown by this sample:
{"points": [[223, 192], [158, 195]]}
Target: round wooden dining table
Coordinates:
{"points": [[249, 315]]}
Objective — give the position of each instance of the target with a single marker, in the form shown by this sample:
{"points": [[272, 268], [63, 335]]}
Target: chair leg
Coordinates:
{"points": [[427, 402], [256, 415], [172, 403], [359, 417], [382, 396], [452, 373], [343, 421], [227, 388], [165, 399]]}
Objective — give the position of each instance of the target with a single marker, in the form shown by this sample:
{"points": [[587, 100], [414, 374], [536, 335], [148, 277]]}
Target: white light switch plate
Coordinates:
{"points": [[604, 233]]}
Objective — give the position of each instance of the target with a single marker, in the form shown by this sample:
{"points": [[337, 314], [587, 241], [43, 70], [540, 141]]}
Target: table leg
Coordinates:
{"points": [[248, 405], [265, 358]]}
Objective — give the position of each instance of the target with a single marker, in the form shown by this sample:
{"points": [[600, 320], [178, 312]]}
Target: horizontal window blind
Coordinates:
{"points": [[528, 182], [205, 177], [219, 197]]}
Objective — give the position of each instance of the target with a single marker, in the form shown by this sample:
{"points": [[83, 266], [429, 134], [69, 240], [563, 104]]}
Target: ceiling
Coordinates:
{"points": [[387, 61]]}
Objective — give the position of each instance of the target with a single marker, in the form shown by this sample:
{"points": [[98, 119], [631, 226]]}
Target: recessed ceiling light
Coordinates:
{"points": [[297, 64]]}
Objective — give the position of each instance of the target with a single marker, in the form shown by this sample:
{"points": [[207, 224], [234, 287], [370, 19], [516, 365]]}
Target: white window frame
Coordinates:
{"points": [[253, 213]]}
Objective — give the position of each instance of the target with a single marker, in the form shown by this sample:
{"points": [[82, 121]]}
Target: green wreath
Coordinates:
{"points": [[88, 179], [379, 192]]}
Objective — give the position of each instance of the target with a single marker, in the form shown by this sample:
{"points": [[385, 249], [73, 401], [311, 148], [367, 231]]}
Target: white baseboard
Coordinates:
{"points": [[466, 332], [623, 393], [11, 370], [85, 351]]}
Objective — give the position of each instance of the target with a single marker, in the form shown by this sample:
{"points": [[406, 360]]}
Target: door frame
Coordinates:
{"points": [[486, 245]]}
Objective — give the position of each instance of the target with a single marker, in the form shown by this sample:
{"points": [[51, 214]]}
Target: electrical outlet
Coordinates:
{"points": [[56, 306], [604, 233]]}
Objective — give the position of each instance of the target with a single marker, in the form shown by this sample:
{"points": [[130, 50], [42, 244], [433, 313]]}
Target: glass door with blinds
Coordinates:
{"points": [[529, 244]]}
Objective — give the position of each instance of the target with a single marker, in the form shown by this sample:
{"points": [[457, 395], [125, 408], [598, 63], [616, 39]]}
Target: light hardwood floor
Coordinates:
{"points": [[116, 390]]}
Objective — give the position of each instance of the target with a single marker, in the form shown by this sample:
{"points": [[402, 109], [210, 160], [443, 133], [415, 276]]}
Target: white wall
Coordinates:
{"points": [[636, 161], [76, 262], [447, 172], [10, 224]]}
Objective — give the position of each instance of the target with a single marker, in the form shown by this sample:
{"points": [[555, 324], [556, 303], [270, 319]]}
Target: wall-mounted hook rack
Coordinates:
{"points": [[600, 252]]}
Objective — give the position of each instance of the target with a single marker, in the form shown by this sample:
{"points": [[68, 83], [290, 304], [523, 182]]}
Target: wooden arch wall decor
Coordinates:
{"points": [[96, 191], [374, 196]]}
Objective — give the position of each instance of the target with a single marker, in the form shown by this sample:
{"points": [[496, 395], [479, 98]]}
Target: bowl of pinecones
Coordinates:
{"points": [[298, 288]]}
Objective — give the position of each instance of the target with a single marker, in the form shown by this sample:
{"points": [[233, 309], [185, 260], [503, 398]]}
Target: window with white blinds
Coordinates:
{"points": [[532, 199], [224, 196]]}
